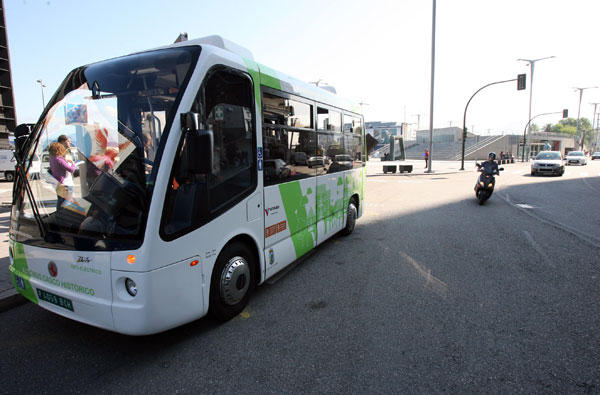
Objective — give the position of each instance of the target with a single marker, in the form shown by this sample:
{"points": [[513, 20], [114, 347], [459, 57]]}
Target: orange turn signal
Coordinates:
{"points": [[194, 263], [131, 259]]}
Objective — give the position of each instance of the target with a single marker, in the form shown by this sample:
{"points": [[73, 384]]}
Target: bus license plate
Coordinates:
{"points": [[55, 299], [20, 282]]}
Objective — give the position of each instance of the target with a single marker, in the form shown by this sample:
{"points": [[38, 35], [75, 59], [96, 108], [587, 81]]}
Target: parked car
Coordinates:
{"points": [[276, 169], [344, 160], [7, 164], [316, 161], [36, 167], [299, 158], [575, 158], [596, 155], [548, 162]]}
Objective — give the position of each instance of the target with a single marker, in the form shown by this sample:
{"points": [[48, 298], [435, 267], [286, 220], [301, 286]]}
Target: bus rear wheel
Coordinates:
{"points": [[232, 282]]}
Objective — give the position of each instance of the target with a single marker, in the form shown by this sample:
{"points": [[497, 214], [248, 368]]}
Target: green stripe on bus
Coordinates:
{"points": [[252, 67], [331, 213], [268, 77], [19, 268], [302, 224]]}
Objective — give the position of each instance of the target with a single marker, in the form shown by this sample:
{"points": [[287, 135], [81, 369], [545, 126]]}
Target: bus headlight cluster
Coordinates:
{"points": [[130, 286]]}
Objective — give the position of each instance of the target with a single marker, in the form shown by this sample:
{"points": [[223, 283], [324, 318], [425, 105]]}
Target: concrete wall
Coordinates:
{"points": [[500, 145]]}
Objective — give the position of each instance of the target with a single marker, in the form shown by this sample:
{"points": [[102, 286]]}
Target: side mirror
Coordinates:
{"points": [[22, 133], [190, 122], [199, 144]]}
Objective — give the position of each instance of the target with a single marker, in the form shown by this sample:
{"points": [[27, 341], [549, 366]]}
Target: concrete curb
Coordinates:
{"points": [[433, 173], [11, 301]]}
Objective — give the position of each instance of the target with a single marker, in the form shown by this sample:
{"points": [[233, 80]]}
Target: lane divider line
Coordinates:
{"points": [[587, 238]]}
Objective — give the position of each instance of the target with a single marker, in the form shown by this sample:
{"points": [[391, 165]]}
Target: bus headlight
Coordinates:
{"points": [[130, 287]]}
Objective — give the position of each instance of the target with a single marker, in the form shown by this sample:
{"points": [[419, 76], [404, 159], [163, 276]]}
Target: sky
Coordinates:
{"points": [[375, 52]]}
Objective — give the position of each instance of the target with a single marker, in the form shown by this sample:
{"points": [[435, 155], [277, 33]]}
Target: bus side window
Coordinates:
{"points": [[226, 97]]}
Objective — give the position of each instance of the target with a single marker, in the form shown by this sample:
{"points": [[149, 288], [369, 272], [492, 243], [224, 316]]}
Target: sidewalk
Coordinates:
{"points": [[375, 167], [9, 297]]}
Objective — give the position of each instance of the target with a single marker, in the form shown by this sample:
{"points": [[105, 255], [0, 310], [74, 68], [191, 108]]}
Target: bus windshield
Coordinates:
{"points": [[100, 143]]}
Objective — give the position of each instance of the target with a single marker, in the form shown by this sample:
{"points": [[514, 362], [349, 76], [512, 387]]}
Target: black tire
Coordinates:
{"points": [[351, 215], [481, 197], [232, 282], [9, 175]]}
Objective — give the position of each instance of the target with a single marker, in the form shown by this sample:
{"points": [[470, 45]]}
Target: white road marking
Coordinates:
{"points": [[435, 284], [538, 249], [523, 205]]}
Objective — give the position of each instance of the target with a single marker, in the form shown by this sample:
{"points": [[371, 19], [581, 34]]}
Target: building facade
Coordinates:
{"points": [[8, 119]]}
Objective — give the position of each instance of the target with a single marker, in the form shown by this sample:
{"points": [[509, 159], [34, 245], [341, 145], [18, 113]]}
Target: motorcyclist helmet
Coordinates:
{"points": [[492, 156]]}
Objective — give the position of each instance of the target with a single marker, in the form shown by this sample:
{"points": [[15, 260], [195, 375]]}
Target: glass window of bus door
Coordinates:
{"points": [[226, 102], [288, 139]]}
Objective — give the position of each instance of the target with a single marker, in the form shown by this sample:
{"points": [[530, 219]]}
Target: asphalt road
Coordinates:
{"points": [[431, 293]]}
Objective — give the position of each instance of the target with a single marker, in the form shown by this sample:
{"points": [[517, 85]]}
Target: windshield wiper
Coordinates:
{"points": [[20, 169]]}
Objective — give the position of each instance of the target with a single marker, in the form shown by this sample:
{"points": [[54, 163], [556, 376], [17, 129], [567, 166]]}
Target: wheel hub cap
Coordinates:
{"points": [[235, 280]]}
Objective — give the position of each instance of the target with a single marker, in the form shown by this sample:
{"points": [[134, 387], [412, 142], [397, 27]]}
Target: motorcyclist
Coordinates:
{"points": [[490, 166]]}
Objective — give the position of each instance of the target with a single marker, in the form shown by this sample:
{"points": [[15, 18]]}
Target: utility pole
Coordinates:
{"points": [[597, 142], [361, 104], [42, 86], [531, 63], [594, 126], [580, 145], [418, 120]]}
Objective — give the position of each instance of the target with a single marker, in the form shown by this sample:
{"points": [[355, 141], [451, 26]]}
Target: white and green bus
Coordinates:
{"points": [[194, 175]]}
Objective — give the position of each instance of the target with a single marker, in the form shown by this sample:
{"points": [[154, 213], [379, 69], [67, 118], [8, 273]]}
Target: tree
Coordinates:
{"points": [[534, 127], [569, 126]]}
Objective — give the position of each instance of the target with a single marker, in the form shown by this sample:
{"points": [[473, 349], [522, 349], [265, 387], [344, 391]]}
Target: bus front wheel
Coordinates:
{"points": [[232, 282], [351, 215]]}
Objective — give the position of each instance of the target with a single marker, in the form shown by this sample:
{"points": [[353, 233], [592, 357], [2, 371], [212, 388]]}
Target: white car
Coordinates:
{"points": [[548, 162], [575, 158], [276, 169], [35, 168]]}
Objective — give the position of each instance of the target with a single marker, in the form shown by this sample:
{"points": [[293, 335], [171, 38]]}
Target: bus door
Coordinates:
{"points": [[289, 177], [330, 176]]}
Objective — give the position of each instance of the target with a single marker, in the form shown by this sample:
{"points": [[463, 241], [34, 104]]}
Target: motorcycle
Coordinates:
{"points": [[485, 183]]}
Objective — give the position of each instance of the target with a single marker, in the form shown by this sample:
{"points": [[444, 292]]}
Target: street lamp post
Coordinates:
{"points": [[539, 115], [531, 64], [464, 134], [580, 145], [432, 89], [42, 86]]}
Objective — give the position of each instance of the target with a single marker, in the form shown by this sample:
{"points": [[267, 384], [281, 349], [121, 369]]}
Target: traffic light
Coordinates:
{"points": [[521, 82], [565, 113]]}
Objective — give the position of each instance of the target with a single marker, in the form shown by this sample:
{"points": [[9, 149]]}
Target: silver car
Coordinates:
{"points": [[575, 158], [548, 162]]}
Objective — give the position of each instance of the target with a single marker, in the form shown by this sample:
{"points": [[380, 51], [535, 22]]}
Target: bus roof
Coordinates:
{"points": [[270, 77]]}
